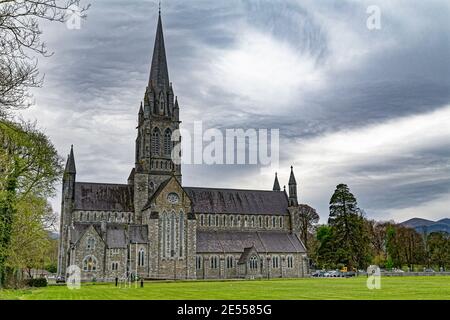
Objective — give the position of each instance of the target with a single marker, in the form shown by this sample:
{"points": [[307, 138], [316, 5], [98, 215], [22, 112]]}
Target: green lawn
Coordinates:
{"points": [[433, 287]]}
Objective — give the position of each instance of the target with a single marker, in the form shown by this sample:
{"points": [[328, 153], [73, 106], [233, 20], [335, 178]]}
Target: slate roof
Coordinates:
{"points": [[235, 201], [237, 241], [246, 255], [116, 236], [138, 233], [103, 196]]}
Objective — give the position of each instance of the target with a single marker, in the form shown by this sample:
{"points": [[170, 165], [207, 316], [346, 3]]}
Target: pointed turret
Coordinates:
{"points": [[159, 74], [70, 164], [276, 184], [293, 201]]}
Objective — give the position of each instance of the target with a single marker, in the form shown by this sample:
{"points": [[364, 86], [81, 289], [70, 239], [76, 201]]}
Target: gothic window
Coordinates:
{"points": [[230, 262], [253, 222], [91, 243], [181, 233], [164, 234], [202, 220], [209, 220], [156, 141], [172, 235], [267, 222], [167, 142], [245, 221], [217, 221], [274, 222], [239, 221], [141, 258], [198, 262], [290, 262], [260, 222], [90, 263], [224, 221], [280, 223], [214, 262], [253, 263], [275, 261], [114, 266], [231, 221]]}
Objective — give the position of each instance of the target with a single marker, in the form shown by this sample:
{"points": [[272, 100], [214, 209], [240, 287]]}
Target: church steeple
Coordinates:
{"points": [[159, 74], [276, 184], [70, 164], [293, 200]]}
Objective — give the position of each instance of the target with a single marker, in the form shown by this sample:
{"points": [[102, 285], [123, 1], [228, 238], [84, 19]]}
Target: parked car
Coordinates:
{"points": [[318, 274], [429, 270], [60, 279]]}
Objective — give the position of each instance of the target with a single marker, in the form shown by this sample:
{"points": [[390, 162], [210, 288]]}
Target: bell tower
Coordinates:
{"points": [[158, 118]]}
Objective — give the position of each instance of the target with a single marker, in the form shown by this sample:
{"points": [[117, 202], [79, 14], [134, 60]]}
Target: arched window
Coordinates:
{"points": [[198, 262], [114, 266], [91, 243], [217, 221], [274, 222], [181, 242], [253, 262], [209, 220], [90, 263], [239, 221], [231, 221], [141, 258], [260, 221], [267, 222], [246, 221], [156, 141], [214, 262], [172, 235], [290, 262], [202, 220], [230, 262], [167, 142], [224, 221], [275, 261], [280, 223], [253, 222]]}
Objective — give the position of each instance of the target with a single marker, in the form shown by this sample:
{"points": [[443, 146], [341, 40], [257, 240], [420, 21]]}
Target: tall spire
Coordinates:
{"points": [[276, 184], [293, 200], [70, 165], [159, 74]]}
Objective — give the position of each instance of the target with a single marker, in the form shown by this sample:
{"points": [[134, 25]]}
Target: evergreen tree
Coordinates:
{"points": [[349, 231]]}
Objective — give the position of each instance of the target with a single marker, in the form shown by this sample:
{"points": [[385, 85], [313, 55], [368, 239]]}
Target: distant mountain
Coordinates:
{"points": [[428, 226]]}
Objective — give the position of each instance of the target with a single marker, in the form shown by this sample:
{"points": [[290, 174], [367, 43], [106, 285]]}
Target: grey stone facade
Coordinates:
{"points": [[156, 228]]}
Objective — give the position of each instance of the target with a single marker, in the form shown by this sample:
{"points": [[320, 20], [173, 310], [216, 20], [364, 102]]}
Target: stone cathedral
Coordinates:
{"points": [[153, 227]]}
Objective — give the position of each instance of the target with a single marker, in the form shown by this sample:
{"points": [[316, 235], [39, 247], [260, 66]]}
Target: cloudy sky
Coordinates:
{"points": [[369, 108]]}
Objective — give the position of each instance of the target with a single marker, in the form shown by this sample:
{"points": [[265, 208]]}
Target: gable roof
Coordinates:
{"points": [[237, 241], [235, 201], [103, 196], [246, 254]]}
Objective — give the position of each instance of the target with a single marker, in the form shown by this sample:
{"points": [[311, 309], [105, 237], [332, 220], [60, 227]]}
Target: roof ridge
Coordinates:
{"points": [[231, 189], [104, 183]]}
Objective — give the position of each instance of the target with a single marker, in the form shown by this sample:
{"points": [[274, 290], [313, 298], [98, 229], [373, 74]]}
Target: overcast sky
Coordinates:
{"points": [[369, 108]]}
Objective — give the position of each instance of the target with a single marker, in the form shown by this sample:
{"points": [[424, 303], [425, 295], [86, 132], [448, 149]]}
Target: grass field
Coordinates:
{"points": [[433, 287]]}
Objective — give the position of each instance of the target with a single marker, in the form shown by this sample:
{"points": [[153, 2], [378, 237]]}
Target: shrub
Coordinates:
{"points": [[36, 282]]}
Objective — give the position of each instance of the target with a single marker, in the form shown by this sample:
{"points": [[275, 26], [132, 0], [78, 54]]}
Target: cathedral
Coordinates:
{"points": [[154, 227]]}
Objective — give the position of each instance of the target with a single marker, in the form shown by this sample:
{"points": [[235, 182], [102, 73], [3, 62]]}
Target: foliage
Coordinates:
{"points": [[439, 249], [30, 167], [308, 219], [36, 282], [349, 232]]}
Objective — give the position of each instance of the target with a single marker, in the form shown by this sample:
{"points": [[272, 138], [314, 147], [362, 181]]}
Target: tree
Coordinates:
{"points": [[31, 245], [308, 218], [349, 230], [439, 249], [21, 43], [29, 165], [325, 250]]}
